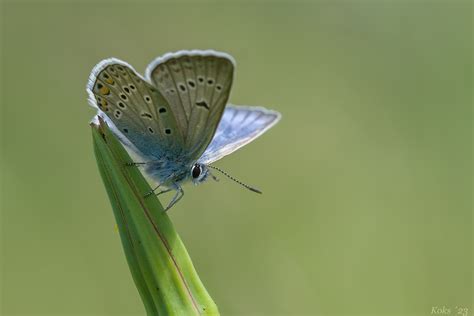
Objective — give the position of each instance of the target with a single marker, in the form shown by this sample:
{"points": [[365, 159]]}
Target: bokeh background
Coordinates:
{"points": [[367, 204]]}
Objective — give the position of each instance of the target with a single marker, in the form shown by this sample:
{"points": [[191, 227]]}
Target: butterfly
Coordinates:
{"points": [[176, 119]]}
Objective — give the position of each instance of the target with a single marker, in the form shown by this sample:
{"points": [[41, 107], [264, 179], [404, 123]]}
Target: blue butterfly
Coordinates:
{"points": [[176, 120]]}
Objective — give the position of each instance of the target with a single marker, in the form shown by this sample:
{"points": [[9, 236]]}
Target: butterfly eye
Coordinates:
{"points": [[196, 171]]}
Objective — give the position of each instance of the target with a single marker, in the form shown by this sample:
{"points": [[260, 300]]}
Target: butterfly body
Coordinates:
{"points": [[176, 120], [169, 172]]}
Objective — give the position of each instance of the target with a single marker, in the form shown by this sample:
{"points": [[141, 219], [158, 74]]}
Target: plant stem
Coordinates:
{"points": [[160, 265]]}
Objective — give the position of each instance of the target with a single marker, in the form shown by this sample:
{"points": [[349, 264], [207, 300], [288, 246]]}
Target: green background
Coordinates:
{"points": [[367, 179]]}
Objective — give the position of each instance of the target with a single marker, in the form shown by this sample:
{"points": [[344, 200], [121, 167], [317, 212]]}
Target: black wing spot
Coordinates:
{"points": [[147, 98], [219, 87], [106, 76], [151, 130], [121, 105], [191, 83], [126, 89], [210, 81], [125, 130], [123, 96], [168, 131], [132, 87], [117, 114], [99, 85], [146, 114], [182, 87], [203, 104], [162, 110], [200, 79]]}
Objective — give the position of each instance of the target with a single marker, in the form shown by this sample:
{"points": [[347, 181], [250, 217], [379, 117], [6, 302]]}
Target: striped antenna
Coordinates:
{"points": [[235, 180]]}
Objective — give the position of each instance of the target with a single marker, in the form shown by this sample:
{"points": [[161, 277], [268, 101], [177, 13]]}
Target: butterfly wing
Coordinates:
{"points": [[142, 118], [239, 126], [197, 86]]}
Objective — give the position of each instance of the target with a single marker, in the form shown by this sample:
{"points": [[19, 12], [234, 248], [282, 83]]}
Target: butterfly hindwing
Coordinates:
{"points": [[239, 126], [197, 85], [136, 108]]}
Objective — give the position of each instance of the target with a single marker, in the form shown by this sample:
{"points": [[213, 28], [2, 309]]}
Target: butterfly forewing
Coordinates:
{"points": [[136, 108], [197, 85]]}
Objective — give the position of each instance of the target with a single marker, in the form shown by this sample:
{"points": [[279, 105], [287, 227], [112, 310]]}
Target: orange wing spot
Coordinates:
{"points": [[110, 81], [104, 91]]}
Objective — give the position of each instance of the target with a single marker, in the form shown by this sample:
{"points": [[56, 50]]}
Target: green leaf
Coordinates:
{"points": [[160, 265]]}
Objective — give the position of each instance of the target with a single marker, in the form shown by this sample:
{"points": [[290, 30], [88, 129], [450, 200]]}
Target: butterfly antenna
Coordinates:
{"points": [[235, 180]]}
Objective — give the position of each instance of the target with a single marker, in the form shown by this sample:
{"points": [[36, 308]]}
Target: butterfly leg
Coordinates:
{"points": [[132, 163], [163, 191], [153, 191], [179, 194]]}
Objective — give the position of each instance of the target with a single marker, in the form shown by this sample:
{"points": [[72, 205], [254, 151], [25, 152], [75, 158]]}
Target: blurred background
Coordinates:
{"points": [[367, 179]]}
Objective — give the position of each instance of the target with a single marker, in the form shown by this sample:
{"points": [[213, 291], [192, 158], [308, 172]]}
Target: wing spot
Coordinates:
{"points": [[121, 105], [132, 87], [203, 104], [182, 87], [125, 130], [210, 81], [126, 89], [123, 71], [123, 96], [103, 89], [218, 87], [200, 79], [162, 110], [147, 98], [117, 114], [103, 104], [168, 131], [191, 83], [147, 115], [151, 130], [107, 78]]}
